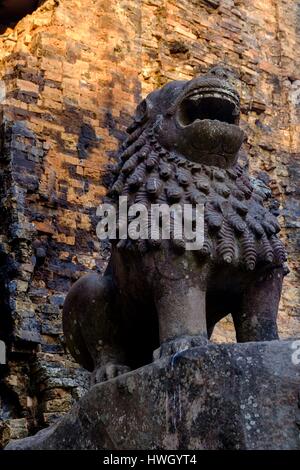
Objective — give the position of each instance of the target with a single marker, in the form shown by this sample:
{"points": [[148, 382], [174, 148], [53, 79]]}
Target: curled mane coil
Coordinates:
{"points": [[226, 244], [248, 250]]}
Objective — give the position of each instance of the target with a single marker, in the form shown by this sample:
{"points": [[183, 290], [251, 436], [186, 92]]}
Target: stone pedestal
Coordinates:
{"points": [[233, 396]]}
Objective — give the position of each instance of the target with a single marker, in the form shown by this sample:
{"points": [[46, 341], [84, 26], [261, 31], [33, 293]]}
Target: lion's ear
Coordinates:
{"points": [[142, 114]]}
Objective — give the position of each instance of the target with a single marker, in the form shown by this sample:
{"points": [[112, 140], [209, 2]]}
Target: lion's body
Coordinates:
{"points": [[155, 292]]}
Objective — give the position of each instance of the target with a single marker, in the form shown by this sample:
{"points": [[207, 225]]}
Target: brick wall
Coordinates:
{"points": [[71, 74]]}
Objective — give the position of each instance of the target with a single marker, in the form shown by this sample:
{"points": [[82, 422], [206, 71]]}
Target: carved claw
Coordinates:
{"points": [[169, 348], [108, 372]]}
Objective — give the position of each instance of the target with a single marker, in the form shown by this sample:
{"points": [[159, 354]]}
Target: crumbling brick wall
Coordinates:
{"points": [[71, 75]]}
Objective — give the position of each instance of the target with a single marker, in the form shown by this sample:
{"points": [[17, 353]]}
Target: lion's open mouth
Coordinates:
{"points": [[207, 103]]}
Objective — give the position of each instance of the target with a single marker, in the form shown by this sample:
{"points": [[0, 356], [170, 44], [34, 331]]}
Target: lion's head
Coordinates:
{"points": [[183, 147], [198, 119]]}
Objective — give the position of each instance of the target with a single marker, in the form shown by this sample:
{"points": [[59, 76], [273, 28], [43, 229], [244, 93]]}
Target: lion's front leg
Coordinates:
{"points": [[181, 315]]}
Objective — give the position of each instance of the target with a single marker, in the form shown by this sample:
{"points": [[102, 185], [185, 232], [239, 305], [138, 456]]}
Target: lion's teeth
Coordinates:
{"points": [[196, 97], [213, 93]]}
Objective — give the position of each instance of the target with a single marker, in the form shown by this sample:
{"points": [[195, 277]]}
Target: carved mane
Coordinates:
{"points": [[239, 228]]}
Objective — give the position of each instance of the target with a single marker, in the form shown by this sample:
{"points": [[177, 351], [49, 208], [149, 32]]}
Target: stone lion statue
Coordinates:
{"points": [[184, 146]]}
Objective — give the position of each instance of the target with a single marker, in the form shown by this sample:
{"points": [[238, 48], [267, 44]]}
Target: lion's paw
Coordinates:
{"points": [[107, 372], [177, 345]]}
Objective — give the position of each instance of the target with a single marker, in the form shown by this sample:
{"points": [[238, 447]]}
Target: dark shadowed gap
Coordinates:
{"points": [[12, 11]]}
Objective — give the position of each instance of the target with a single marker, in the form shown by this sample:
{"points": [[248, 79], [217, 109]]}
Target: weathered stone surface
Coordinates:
{"points": [[243, 396]]}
